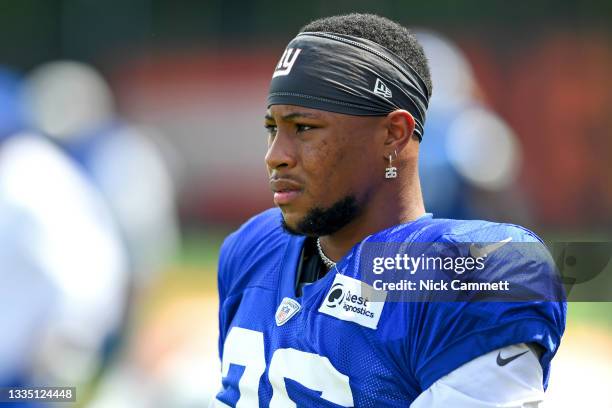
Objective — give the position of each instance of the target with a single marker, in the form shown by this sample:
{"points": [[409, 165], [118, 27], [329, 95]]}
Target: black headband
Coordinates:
{"points": [[349, 75]]}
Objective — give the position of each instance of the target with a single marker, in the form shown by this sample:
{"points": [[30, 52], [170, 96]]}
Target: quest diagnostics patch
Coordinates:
{"points": [[354, 301]]}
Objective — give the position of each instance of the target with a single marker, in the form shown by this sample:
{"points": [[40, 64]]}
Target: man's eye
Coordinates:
{"points": [[303, 128], [271, 129]]}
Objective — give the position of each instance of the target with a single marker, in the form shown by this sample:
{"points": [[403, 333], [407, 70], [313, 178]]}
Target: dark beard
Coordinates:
{"points": [[326, 221]]}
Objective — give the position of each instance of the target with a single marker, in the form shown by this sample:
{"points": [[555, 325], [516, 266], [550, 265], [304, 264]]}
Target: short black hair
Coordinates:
{"points": [[382, 31]]}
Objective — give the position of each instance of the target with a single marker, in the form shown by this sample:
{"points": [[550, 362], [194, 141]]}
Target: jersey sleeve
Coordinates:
{"points": [[507, 377], [225, 268], [450, 334], [236, 258]]}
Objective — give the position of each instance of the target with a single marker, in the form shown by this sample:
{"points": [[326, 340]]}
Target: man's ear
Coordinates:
{"points": [[400, 130]]}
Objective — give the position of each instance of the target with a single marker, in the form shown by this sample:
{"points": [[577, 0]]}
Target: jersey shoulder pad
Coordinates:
{"points": [[249, 254], [441, 230]]}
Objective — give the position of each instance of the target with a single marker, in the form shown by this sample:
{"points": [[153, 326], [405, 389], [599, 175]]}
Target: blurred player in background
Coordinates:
{"points": [[470, 150], [346, 116], [63, 266], [71, 103]]}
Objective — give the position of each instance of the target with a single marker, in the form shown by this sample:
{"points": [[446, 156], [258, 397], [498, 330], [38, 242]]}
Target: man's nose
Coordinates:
{"points": [[281, 152]]}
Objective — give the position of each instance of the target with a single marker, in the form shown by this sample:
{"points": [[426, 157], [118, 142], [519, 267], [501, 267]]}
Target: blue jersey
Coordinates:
{"points": [[280, 350]]}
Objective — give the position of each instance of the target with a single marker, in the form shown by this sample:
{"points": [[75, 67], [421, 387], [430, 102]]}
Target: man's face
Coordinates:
{"points": [[322, 165]]}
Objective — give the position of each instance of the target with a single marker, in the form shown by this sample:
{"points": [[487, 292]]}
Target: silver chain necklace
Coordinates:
{"points": [[328, 262]]}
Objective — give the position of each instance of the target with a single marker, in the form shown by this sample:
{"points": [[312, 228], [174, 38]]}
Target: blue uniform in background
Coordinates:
{"points": [[316, 359]]}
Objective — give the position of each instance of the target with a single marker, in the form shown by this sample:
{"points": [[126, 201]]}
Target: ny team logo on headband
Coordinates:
{"points": [[286, 62]]}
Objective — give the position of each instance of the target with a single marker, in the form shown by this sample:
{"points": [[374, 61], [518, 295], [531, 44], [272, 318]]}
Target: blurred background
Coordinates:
{"points": [[132, 143]]}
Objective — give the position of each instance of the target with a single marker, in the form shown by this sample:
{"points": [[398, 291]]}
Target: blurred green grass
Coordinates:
{"points": [[590, 313], [200, 249]]}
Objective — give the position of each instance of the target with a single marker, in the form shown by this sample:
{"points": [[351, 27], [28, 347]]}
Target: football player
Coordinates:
{"points": [[298, 326]]}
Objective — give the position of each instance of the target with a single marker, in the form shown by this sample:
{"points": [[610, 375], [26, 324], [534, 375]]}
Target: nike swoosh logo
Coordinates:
{"points": [[480, 252], [503, 361]]}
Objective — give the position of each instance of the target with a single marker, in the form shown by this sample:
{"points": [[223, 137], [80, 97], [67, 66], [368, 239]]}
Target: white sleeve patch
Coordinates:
{"points": [[510, 377]]}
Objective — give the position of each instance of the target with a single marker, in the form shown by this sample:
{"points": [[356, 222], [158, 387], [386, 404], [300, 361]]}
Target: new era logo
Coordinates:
{"points": [[381, 89], [286, 62]]}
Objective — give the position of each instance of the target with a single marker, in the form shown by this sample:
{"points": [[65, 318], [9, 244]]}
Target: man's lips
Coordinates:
{"points": [[285, 190]]}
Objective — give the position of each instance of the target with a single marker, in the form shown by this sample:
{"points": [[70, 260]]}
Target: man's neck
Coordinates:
{"points": [[380, 214]]}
